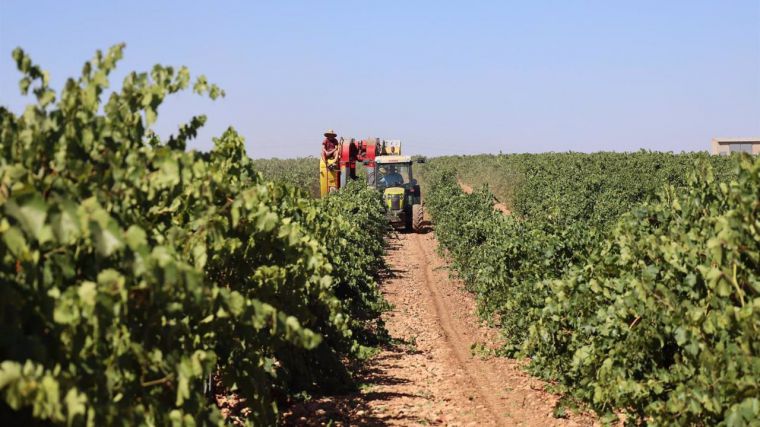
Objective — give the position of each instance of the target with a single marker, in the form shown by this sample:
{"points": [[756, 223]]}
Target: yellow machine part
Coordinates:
{"points": [[390, 148], [328, 177], [394, 191]]}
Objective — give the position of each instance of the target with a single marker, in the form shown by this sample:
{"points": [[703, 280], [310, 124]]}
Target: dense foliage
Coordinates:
{"points": [[132, 269], [663, 317], [500, 257], [571, 187], [654, 313]]}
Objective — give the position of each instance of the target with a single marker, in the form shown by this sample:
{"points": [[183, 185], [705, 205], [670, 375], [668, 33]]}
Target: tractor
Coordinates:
{"points": [[386, 170]]}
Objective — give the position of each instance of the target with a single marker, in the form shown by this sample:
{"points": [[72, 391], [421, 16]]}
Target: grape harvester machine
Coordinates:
{"points": [[385, 169]]}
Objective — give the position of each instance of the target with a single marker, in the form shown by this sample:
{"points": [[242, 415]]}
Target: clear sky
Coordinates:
{"points": [[445, 77]]}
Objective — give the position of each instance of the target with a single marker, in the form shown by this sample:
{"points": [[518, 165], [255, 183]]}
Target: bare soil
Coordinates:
{"points": [[438, 371]]}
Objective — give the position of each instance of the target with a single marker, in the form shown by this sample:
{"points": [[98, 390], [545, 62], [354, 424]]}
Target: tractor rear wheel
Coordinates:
{"points": [[417, 217]]}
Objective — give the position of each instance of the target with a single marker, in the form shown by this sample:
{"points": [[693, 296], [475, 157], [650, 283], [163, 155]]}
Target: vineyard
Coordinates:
{"points": [[138, 277], [628, 279], [147, 284], [301, 172]]}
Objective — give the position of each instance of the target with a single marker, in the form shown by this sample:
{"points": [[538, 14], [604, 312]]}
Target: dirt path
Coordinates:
{"points": [[438, 371], [499, 206]]}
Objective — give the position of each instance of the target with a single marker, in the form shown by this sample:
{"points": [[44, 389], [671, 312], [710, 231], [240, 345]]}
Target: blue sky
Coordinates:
{"points": [[445, 77]]}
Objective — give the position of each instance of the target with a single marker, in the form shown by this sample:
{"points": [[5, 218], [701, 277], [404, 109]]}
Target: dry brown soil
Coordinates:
{"points": [[438, 372]]}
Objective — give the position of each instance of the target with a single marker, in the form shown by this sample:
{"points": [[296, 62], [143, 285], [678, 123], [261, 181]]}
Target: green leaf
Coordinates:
{"points": [[88, 291], [136, 238], [31, 212], [66, 226], [108, 240], [15, 241], [76, 404], [10, 372], [267, 221]]}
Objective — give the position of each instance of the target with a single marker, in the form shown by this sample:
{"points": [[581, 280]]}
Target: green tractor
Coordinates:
{"points": [[401, 193]]}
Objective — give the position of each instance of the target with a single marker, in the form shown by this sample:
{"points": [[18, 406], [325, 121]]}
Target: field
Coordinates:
{"points": [[301, 173], [147, 284], [629, 279]]}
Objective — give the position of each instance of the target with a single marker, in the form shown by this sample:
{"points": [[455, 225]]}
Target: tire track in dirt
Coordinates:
{"points": [[455, 340], [430, 376], [512, 396]]}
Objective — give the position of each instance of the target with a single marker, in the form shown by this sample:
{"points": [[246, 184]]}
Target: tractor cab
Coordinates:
{"points": [[394, 178], [393, 171]]}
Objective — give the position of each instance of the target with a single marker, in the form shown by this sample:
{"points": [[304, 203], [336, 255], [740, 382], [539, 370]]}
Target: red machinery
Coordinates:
{"points": [[334, 176]]}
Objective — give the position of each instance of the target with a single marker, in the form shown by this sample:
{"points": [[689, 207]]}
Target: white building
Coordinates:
{"points": [[725, 146]]}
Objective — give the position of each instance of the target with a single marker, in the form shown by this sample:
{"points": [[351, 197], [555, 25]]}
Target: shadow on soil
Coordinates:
{"points": [[354, 409], [393, 244]]}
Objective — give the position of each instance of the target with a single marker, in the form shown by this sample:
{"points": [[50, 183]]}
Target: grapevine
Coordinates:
{"points": [[134, 269], [635, 288]]}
